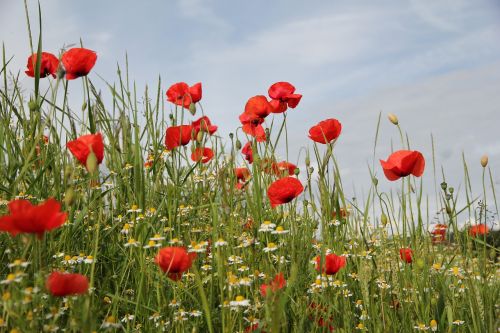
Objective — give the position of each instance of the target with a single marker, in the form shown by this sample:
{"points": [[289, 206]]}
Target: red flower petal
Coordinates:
{"points": [[78, 62], [65, 284], [248, 152], [403, 163], [325, 131], [176, 136], [174, 261], [406, 255], [202, 154], [80, 148], [181, 94], [27, 218], [48, 65], [284, 190], [333, 263], [203, 124]]}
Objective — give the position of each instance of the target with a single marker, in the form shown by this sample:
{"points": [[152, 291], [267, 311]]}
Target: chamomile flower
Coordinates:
{"points": [[361, 327], [88, 259], [126, 228], [110, 323], [239, 301], [156, 238], [195, 313], [18, 263], [280, 231], [175, 241], [271, 247], [151, 244], [433, 325], [174, 304], [131, 242], [220, 242], [421, 327], [267, 226], [13, 277], [134, 209], [127, 318]]}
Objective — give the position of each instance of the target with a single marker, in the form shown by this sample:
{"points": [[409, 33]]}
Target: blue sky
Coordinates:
{"points": [[436, 64]]}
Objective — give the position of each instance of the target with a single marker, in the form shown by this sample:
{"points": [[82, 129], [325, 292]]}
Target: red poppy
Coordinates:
{"points": [[325, 131], [318, 313], [439, 233], [284, 190], [406, 255], [183, 95], [65, 284], [253, 328], [176, 136], [276, 284], [81, 147], [202, 154], [283, 168], [27, 218], [478, 230], [258, 106], [48, 65], [203, 124], [403, 163], [248, 152], [333, 263], [344, 213], [242, 175], [78, 62], [252, 125], [174, 261], [283, 95]]}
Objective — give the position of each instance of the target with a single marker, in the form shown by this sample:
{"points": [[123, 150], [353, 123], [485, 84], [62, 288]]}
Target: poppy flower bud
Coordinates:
{"points": [[171, 116], [92, 162], [68, 172], [192, 108], [199, 137], [444, 186], [384, 219], [33, 105], [310, 169], [296, 171], [484, 161], [60, 72], [451, 190], [231, 136], [308, 161], [238, 144], [69, 196], [84, 106], [393, 118]]}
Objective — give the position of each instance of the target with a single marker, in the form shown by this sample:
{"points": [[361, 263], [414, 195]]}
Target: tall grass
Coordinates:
{"points": [[451, 286]]}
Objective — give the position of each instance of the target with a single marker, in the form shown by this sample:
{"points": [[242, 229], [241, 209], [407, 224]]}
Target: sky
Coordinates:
{"points": [[435, 64]]}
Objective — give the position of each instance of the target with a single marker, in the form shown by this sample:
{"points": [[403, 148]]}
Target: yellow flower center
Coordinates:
{"points": [[239, 298]]}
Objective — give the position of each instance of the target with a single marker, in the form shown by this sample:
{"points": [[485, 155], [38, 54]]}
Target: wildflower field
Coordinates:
{"points": [[132, 214]]}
